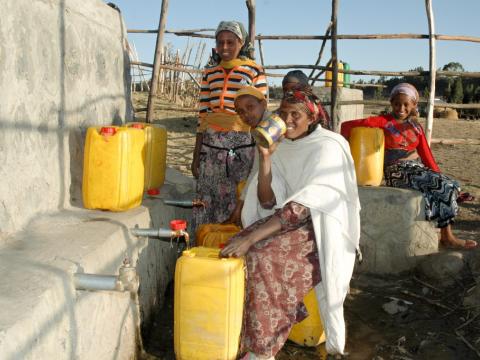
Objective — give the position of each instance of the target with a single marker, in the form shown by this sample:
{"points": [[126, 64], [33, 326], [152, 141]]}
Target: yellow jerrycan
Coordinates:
{"points": [[329, 76], [215, 235], [367, 147], [113, 171], [208, 305], [155, 153], [309, 331]]}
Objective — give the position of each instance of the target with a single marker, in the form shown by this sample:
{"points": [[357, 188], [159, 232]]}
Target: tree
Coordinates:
{"points": [[457, 92]]}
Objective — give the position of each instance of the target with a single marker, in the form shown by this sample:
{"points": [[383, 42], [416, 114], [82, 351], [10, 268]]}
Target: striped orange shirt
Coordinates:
{"points": [[219, 87]]}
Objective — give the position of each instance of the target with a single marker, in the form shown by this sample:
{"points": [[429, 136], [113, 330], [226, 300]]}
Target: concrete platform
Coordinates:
{"points": [[394, 233], [42, 315]]}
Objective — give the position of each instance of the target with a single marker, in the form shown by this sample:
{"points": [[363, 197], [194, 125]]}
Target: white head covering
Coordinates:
{"points": [[406, 89]]}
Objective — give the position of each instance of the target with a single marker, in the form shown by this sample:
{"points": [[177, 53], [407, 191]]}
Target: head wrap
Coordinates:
{"points": [[237, 28], [250, 90], [311, 104], [406, 89], [295, 76]]}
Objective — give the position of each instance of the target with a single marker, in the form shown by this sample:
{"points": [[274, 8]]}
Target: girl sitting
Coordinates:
{"points": [[409, 162]]}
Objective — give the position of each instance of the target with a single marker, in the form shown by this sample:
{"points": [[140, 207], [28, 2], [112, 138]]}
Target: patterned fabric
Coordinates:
{"points": [[281, 270], [225, 159], [219, 87], [439, 191]]}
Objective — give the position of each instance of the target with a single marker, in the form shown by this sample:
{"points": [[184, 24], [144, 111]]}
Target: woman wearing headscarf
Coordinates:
{"points": [[302, 227], [298, 80], [409, 162], [224, 148]]}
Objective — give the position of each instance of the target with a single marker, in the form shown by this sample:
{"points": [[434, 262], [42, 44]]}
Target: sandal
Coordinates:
{"points": [[463, 197]]}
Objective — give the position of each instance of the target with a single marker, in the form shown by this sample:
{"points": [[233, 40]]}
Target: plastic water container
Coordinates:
{"points": [[113, 171], [155, 153], [214, 235], [367, 147], [208, 305], [309, 332], [329, 76]]}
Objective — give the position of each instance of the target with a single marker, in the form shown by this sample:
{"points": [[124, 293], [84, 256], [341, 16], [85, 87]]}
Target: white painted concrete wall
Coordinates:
{"points": [[42, 316], [63, 68]]}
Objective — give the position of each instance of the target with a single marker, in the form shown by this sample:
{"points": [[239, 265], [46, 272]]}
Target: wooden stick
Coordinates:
{"points": [[433, 68], [468, 344], [261, 52], [156, 61], [251, 25], [322, 47], [193, 33], [333, 92], [456, 141], [426, 284], [467, 322], [406, 292]]}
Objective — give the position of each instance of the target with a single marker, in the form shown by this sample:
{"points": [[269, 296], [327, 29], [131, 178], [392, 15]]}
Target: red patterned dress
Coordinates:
{"points": [[281, 270]]}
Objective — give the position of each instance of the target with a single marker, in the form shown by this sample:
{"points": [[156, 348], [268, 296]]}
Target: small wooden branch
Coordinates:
{"points": [[456, 141], [251, 23], [433, 68], [157, 60], [470, 346], [467, 322], [170, 108], [322, 47], [334, 62], [431, 302], [193, 33], [260, 49]]}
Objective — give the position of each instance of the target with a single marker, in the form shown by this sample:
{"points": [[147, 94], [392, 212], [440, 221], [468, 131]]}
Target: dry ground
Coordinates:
{"points": [[425, 331]]}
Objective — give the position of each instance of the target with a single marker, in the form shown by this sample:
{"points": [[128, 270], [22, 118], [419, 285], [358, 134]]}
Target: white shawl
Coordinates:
{"points": [[317, 171]]}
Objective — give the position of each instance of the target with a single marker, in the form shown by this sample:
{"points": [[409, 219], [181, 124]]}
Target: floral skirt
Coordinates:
{"points": [[281, 270], [439, 191], [226, 158]]}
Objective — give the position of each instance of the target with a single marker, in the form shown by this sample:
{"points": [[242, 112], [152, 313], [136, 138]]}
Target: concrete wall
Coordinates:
{"points": [[394, 233], [42, 315], [345, 112], [63, 68]]}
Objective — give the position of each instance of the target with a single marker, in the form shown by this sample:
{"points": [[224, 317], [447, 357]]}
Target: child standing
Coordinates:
{"points": [[409, 162]]}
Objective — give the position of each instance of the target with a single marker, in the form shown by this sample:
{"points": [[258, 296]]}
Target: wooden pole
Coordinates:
{"points": [[324, 41], [260, 49], [333, 92], [251, 25], [433, 67], [156, 62]]}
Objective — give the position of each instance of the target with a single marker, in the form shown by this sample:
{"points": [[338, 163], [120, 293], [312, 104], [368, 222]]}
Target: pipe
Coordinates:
{"points": [[126, 280], [160, 233], [184, 203]]}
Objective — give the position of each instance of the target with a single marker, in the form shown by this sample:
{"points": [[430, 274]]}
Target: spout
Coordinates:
{"points": [[126, 280]]}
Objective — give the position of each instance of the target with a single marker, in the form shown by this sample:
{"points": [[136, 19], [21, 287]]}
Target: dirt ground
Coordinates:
{"points": [[433, 324]]}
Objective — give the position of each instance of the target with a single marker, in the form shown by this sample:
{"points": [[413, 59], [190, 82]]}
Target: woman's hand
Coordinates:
{"points": [[237, 246]]}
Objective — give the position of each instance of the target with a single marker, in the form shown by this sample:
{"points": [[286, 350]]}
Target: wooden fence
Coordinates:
{"points": [[331, 64]]}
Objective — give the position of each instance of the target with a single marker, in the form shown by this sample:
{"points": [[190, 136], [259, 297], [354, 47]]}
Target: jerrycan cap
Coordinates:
{"points": [[153, 191], [178, 225], [137, 126], [221, 246], [108, 130]]}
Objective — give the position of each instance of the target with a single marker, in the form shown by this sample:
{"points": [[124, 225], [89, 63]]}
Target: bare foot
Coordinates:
{"points": [[448, 240]]}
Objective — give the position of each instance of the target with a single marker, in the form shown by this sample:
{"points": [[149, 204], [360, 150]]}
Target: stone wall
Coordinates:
{"points": [[63, 68]]}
